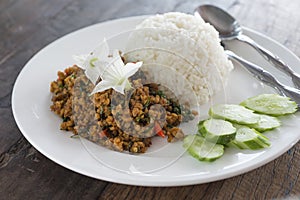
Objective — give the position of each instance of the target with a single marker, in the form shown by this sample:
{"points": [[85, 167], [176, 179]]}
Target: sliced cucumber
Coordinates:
{"points": [[234, 113], [201, 149], [266, 123], [271, 104], [249, 138], [217, 130]]}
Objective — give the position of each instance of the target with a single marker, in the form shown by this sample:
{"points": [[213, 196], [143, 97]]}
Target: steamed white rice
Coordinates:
{"points": [[184, 54]]}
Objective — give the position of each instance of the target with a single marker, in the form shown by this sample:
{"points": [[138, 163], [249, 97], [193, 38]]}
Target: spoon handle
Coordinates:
{"points": [[272, 58], [266, 77]]}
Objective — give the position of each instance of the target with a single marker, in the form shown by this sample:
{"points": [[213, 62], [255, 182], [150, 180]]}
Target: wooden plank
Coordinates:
{"points": [[9, 132], [20, 20], [29, 175]]}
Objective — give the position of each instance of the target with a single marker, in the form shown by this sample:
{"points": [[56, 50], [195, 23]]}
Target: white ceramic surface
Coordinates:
{"points": [[31, 101]]}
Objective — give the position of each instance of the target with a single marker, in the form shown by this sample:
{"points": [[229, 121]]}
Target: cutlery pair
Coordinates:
{"points": [[229, 29]]}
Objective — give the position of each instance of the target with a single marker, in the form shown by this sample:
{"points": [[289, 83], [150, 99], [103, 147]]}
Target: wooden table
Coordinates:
{"points": [[26, 26]]}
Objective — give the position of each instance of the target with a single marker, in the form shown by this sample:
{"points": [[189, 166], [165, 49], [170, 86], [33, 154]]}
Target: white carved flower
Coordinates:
{"points": [[116, 75], [111, 69], [95, 61]]}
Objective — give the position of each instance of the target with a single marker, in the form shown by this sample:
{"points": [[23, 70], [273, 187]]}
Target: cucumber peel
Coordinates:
{"points": [[249, 138], [271, 104], [201, 149], [217, 130]]}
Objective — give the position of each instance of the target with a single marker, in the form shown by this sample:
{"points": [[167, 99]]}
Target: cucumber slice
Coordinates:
{"points": [[249, 138], [201, 149], [271, 104], [217, 130], [234, 113], [266, 123]]}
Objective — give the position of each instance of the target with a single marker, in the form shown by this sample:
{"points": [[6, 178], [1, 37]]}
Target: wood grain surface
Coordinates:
{"points": [[26, 26]]}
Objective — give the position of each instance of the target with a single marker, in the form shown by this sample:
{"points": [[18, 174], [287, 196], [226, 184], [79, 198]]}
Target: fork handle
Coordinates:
{"points": [[272, 58], [266, 77]]}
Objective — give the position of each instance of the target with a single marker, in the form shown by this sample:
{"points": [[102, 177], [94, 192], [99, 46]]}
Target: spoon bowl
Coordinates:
{"points": [[226, 25]]}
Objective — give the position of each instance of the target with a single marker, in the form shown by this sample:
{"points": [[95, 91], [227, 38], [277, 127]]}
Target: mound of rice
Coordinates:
{"points": [[185, 46]]}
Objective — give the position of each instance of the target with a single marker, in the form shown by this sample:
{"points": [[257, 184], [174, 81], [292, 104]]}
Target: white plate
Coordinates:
{"points": [[31, 100]]}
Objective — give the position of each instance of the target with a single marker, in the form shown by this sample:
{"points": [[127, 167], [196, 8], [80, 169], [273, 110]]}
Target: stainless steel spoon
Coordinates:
{"points": [[230, 29], [265, 77]]}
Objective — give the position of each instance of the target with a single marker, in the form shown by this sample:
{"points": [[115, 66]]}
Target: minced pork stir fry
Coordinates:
{"points": [[122, 123]]}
